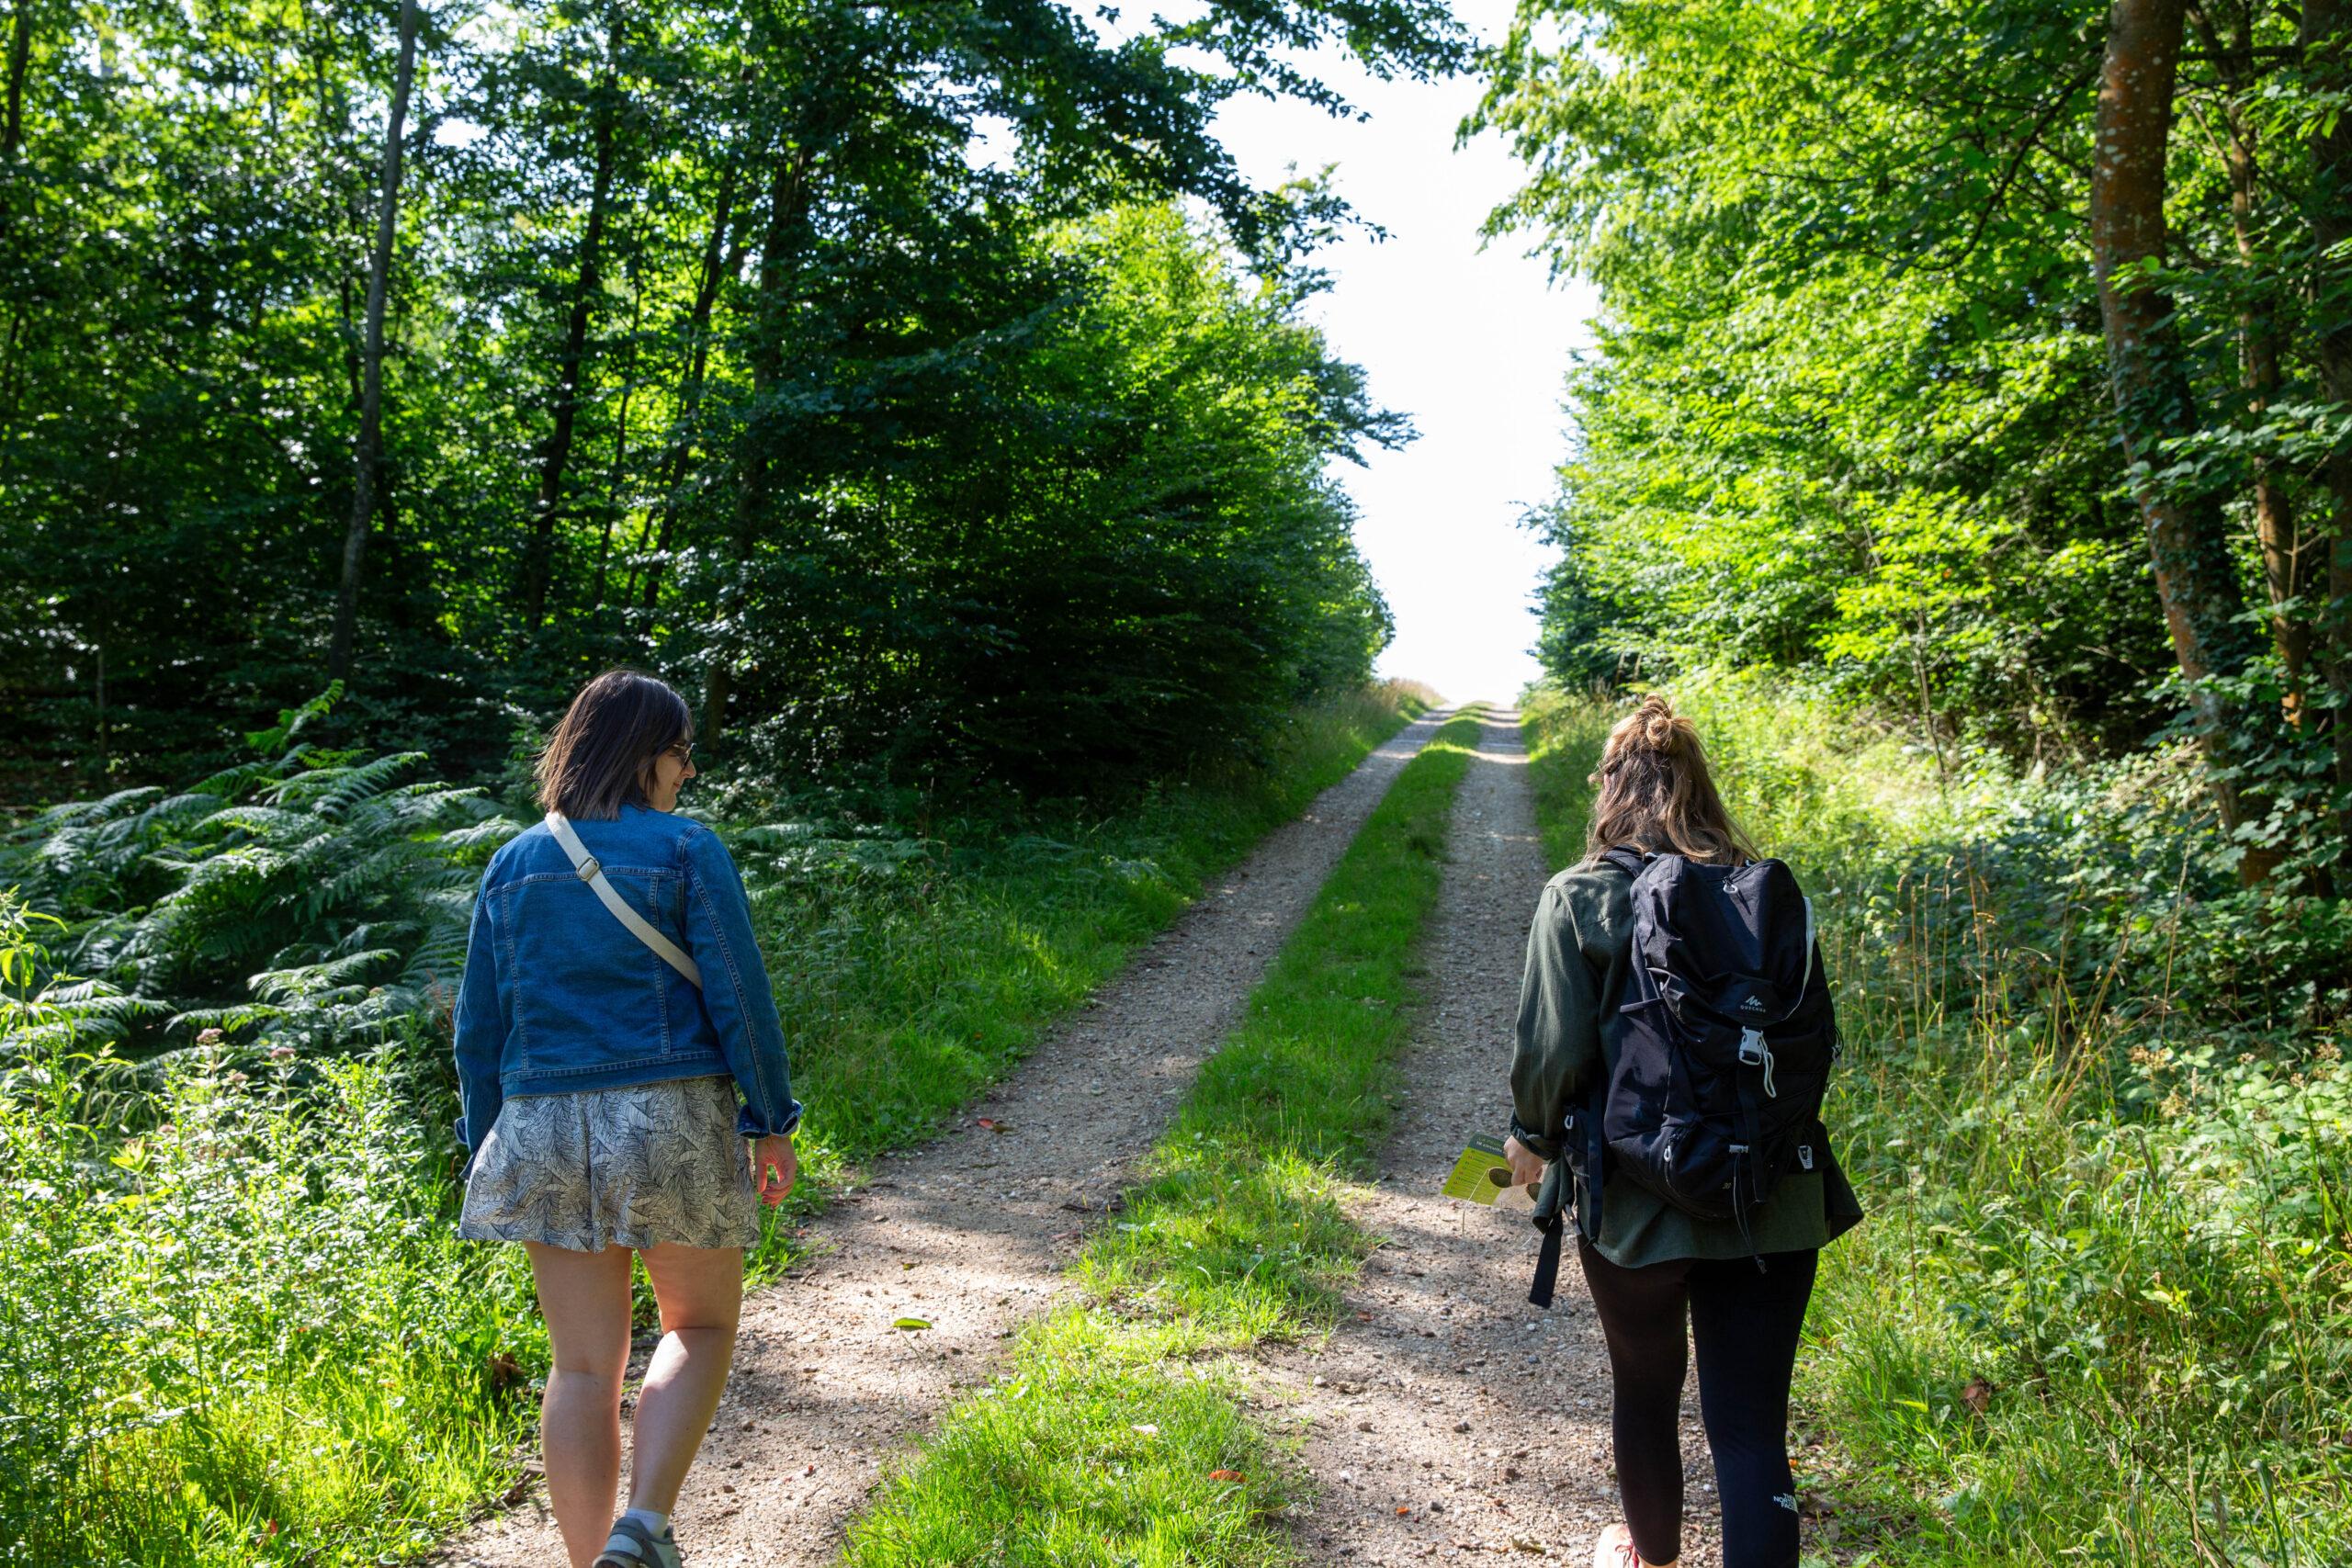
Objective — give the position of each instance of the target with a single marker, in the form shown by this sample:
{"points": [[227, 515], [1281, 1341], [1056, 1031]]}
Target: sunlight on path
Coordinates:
{"points": [[1446, 1416], [972, 1234]]}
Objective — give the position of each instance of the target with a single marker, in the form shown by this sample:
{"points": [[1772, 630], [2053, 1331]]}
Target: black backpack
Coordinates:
{"points": [[1727, 1037]]}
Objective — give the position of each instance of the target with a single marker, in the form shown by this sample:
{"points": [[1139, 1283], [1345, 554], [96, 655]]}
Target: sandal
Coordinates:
{"points": [[631, 1545]]}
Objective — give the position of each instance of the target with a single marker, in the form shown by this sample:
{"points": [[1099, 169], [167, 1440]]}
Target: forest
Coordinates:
{"points": [[1964, 440], [1991, 363], [920, 387], [855, 367]]}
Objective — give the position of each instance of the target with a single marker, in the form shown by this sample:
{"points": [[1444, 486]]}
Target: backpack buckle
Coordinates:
{"points": [[1804, 1156], [590, 869], [1754, 1053]]}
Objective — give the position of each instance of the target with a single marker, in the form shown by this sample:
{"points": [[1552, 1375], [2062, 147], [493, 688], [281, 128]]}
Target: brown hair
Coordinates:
{"points": [[601, 756], [1654, 793]]}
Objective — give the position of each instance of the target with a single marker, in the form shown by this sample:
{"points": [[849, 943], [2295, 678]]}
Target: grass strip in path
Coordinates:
{"points": [[1117, 1434]]}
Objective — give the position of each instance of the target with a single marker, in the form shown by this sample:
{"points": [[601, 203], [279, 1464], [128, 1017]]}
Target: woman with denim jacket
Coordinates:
{"points": [[599, 1082]]}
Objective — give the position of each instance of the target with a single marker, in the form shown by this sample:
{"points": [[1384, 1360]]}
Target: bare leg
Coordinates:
{"points": [[583, 1296], [701, 1293]]}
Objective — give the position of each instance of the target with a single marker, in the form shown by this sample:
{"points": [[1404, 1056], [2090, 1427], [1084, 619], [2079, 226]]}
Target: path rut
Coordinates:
{"points": [[973, 1231], [1445, 1416]]}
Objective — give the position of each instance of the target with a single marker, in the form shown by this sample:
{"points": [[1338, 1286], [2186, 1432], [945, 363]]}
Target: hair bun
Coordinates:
{"points": [[1653, 791], [1655, 726]]}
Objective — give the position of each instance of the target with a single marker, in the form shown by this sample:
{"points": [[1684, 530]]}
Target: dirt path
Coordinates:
{"points": [[1446, 1416], [972, 1232]]}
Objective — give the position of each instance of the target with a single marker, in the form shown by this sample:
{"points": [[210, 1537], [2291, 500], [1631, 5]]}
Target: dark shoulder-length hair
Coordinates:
{"points": [[601, 756], [1654, 793]]}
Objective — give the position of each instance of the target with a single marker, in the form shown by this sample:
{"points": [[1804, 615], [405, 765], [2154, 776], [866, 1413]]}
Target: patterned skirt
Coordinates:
{"points": [[634, 1167]]}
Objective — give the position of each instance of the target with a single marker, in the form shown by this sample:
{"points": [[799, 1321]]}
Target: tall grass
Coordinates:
{"points": [[2099, 1311], [236, 1326], [239, 1332]]}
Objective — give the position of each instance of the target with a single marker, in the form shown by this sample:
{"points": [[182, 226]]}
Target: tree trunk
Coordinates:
{"points": [[2188, 535], [556, 456], [104, 763], [2283, 567], [20, 54], [2328, 54], [368, 449], [788, 196], [620, 425], [721, 259], [12, 368]]}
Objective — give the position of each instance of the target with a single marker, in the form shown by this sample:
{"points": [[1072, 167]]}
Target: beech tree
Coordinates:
{"points": [[368, 449], [1979, 356], [709, 337]]}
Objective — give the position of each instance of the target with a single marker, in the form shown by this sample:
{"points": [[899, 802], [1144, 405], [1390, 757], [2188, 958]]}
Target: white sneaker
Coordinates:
{"points": [[1615, 1550]]}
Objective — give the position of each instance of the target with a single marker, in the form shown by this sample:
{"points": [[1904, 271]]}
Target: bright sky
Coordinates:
{"points": [[1471, 344]]}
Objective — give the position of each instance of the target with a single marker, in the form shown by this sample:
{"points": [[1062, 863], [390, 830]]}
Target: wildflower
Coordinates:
{"points": [[281, 1052], [207, 1037], [2329, 1052]]}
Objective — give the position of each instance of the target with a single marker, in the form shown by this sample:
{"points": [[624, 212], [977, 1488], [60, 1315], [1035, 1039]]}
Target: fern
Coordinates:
{"points": [[86, 1014], [309, 898], [292, 722], [282, 985], [330, 792]]}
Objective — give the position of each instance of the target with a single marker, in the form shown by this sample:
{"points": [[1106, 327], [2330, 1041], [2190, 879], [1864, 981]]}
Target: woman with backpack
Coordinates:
{"points": [[1673, 1039], [614, 1005]]}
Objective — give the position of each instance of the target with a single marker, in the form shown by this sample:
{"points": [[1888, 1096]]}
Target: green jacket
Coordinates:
{"points": [[1577, 954]]}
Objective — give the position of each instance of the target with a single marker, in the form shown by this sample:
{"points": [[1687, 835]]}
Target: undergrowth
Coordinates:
{"points": [[2099, 1310], [1115, 1438], [238, 1326]]}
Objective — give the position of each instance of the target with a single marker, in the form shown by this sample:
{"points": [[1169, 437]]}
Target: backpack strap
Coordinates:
{"points": [[640, 927], [1566, 1189], [1630, 862], [1547, 1263]]}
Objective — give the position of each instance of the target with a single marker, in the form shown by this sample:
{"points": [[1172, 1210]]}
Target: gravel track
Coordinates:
{"points": [[1446, 1417], [973, 1231]]}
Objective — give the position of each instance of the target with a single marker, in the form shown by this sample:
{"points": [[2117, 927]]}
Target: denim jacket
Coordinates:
{"points": [[559, 996]]}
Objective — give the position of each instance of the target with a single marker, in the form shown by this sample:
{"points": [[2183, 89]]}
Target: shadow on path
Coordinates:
{"points": [[972, 1232], [1446, 1416]]}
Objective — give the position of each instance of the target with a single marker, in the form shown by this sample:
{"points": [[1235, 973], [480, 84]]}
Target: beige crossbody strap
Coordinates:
{"points": [[593, 875]]}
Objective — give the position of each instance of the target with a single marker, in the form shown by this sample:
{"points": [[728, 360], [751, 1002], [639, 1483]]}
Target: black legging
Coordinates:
{"points": [[1745, 1325]]}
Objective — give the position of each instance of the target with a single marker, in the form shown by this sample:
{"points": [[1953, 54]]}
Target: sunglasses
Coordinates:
{"points": [[684, 750]]}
